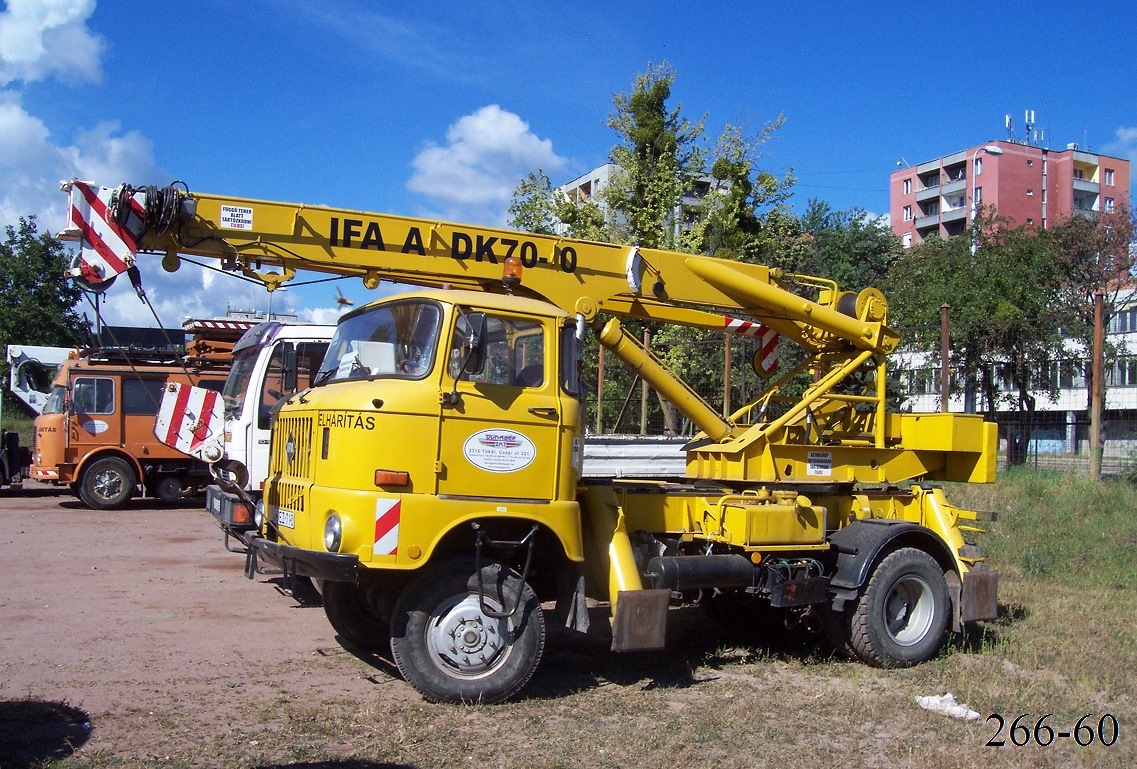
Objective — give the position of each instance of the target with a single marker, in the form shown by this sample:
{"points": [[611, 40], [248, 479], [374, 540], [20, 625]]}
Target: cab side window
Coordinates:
{"points": [[93, 395], [309, 355], [515, 353], [142, 396]]}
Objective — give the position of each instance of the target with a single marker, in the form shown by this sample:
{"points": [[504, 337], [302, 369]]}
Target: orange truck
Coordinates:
{"points": [[96, 432]]}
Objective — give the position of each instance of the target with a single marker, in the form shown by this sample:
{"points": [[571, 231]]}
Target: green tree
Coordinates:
{"points": [[849, 247], [1096, 256], [658, 155], [532, 207], [1007, 312], [740, 198], [37, 303]]}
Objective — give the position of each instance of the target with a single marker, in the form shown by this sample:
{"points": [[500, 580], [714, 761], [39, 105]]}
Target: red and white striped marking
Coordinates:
{"points": [[387, 515], [228, 325], [189, 418], [108, 249], [768, 336]]}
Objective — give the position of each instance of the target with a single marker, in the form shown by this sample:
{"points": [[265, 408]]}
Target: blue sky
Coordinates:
{"points": [[438, 108]]}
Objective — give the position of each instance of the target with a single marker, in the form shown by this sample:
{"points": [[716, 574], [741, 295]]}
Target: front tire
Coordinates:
{"points": [[353, 616], [449, 650], [107, 483], [902, 617]]}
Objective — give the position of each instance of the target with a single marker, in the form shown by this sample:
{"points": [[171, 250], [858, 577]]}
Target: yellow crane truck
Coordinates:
{"points": [[430, 478]]}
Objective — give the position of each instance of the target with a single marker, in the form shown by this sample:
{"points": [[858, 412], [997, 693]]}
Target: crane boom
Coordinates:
{"points": [[578, 276]]}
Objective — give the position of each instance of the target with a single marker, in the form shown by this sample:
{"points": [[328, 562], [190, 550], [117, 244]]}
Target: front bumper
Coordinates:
{"points": [[230, 511], [295, 561]]}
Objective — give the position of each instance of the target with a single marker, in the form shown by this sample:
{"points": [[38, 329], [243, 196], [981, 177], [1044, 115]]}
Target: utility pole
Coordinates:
{"points": [[600, 393], [1096, 386], [726, 376], [945, 352], [645, 390]]}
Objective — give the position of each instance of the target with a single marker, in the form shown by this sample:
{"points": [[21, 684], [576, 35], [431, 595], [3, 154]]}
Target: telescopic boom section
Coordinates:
{"points": [[580, 277]]}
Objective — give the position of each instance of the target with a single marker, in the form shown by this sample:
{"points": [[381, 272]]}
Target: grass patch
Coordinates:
{"points": [[1060, 526], [22, 425]]}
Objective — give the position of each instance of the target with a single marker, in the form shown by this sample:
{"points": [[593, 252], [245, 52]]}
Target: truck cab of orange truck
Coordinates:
{"points": [[96, 432]]}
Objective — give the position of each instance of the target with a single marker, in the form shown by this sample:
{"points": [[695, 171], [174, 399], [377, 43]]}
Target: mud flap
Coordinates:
{"points": [[640, 623], [980, 595]]}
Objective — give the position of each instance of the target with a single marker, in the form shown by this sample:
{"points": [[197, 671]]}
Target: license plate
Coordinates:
{"points": [[286, 519]]}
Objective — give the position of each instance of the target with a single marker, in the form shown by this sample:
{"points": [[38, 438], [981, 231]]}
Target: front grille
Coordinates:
{"points": [[287, 496], [292, 447]]}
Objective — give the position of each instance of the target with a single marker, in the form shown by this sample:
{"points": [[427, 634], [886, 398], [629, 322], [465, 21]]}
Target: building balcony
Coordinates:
{"points": [[924, 222], [1085, 185], [928, 193], [953, 187], [953, 214]]}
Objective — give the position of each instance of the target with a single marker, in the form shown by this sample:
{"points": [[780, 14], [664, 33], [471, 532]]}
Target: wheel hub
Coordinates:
{"points": [[909, 610], [108, 484], [466, 640]]}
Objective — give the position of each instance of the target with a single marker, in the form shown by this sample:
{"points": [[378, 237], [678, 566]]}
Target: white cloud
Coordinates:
{"points": [[1125, 145], [191, 292], [32, 165], [486, 155], [40, 38], [322, 315]]}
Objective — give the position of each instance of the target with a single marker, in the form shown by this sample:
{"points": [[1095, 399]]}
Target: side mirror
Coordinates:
{"points": [[289, 369], [474, 359]]}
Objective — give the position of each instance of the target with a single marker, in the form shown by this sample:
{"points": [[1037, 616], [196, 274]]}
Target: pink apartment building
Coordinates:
{"points": [[1027, 184]]}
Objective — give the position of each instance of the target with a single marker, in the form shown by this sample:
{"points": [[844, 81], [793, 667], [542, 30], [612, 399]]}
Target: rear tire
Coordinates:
{"points": [[169, 489], [902, 617], [449, 650], [353, 617], [107, 483]]}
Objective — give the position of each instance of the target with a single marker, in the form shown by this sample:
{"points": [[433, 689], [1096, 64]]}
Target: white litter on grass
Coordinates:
{"points": [[946, 704]]}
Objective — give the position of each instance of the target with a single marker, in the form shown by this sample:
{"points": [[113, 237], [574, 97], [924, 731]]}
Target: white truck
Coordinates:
{"points": [[30, 371], [271, 361]]}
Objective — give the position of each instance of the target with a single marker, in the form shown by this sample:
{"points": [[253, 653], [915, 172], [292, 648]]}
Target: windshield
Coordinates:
{"points": [[395, 340], [56, 400], [238, 382]]}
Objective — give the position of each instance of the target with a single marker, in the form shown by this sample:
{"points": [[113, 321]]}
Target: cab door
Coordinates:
{"points": [[94, 415], [501, 438]]}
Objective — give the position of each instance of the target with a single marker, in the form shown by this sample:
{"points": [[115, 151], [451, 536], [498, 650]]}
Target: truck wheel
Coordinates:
{"points": [[107, 483], [902, 617], [449, 650], [353, 617], [169, 489]]}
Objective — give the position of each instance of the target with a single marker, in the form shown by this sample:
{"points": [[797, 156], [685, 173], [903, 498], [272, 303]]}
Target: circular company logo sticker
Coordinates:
{"points": [[95, 426], [499, 451]]}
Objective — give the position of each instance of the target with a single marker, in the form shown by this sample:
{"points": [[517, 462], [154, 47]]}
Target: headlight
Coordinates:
{"points": [[259, 514], [333, 530]]}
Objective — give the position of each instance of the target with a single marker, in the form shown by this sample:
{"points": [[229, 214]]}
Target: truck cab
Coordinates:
{"points": [[459, 400], [270, 362], [96, 432]]}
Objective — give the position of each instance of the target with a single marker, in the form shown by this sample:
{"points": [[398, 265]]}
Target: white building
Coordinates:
{"points": [[1060, 425]]}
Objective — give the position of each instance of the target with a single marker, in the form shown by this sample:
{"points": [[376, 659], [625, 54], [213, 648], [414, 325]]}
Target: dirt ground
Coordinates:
{"points": [[134, 626]]}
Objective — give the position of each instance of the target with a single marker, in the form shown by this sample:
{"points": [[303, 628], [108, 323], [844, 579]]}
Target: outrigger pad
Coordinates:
{"points": [[640, 623], [980, 595]]}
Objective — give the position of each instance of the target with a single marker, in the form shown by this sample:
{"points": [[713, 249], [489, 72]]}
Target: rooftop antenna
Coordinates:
{"points": [[1010, 123], [902, 163], [1028, 120]]}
